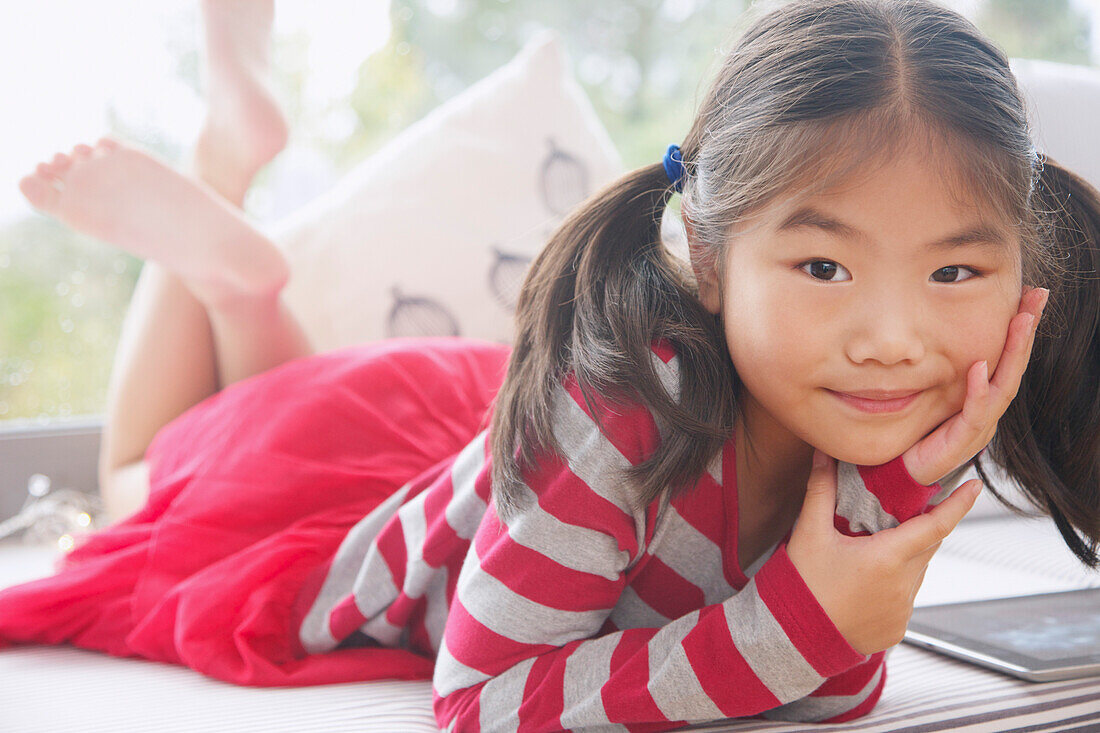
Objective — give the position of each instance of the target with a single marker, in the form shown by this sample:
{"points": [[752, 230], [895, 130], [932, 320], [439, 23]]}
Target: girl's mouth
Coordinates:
{"points": [[864, 404]]}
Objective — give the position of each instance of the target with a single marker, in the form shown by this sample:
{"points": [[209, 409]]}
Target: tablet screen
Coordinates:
{"points": [[1035, 631]]}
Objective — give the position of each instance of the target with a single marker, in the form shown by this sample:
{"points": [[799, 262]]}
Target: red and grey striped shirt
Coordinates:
{"points": [[583, 610]]}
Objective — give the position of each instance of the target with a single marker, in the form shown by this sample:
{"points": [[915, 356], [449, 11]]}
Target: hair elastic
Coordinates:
{"points": [[674, 167]]}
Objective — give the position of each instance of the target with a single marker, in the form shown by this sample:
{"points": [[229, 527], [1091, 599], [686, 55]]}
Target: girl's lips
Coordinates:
{"points": [[866, 405]]}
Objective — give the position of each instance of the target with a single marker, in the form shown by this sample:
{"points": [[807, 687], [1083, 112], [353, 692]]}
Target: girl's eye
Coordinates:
{"points": [[826, 270], [823, 270], [952, 273]]}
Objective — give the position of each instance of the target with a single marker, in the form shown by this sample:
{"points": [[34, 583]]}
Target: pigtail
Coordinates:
{"points": [[599, 293], [1049, 438]]}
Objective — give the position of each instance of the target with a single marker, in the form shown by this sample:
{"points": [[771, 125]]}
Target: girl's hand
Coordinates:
{"points": [[968, 432], [867, 584]]}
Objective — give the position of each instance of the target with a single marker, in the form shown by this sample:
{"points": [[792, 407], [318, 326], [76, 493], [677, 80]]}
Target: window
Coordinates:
{"points": [[349, 78]]}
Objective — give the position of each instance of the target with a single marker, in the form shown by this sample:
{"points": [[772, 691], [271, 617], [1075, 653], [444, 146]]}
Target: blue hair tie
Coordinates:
{"points": [[674, 167]]}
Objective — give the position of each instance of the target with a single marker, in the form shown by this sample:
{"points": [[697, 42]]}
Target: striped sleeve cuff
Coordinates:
{"points": [[899, 494], [803, 619]]}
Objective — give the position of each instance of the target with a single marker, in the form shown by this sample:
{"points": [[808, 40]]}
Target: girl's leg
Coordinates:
{"points": [[135, 201], [173, 353], [244, 127], [165, 362]]}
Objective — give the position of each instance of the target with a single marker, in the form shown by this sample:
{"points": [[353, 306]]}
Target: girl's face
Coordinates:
{"points": [[849, 291]]}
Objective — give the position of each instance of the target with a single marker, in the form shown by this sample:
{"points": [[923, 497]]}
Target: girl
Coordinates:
{"points": [[601, 533]]}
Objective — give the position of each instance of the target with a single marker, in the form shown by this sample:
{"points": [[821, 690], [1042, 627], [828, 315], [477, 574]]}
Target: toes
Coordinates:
{"points": [[41, 192], [82, 151], [61, 163], [45, 170], [107, 143]]}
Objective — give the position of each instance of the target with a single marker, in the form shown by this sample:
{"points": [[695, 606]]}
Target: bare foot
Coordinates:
{"points": [[135, 201], [244, 127]]}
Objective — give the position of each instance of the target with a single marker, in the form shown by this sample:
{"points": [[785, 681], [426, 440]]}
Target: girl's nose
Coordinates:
{"points": [[885, 330]]}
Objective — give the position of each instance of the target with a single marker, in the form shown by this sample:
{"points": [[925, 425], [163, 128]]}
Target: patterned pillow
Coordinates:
{"points": [[433, 234]]}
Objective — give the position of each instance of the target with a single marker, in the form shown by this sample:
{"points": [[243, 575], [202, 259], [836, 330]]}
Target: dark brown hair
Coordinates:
{"points": [[812, 91]]}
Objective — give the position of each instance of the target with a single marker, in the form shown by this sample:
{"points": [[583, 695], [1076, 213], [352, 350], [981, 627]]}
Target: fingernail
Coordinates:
{"points": [[1046, 297], [984, 368], [820, 459]]}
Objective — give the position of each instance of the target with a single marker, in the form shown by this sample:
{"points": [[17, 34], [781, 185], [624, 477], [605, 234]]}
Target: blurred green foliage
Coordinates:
{"points": [[62, 300], [643, 63], [1053, 30]]}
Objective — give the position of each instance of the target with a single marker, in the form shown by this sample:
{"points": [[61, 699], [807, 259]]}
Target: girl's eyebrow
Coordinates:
{"points": [[978, 235]]}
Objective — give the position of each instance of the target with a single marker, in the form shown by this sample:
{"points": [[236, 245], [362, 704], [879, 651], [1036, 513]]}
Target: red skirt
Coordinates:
{"points": [[251, 492]]}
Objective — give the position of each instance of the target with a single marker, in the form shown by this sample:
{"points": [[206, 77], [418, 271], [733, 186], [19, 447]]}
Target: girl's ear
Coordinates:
{"points": [[706, 271]]}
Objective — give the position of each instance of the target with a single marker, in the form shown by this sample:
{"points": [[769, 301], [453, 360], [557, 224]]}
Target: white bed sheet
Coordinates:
{"points": [[52, 689]]}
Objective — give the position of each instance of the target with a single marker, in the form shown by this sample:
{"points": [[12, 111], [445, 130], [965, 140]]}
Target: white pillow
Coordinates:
{"points": [[1063, 104], [1062, 100], [432, 234]]}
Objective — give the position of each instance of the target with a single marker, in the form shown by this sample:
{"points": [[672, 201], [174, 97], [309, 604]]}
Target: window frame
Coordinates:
{"points": [[65, 450]]}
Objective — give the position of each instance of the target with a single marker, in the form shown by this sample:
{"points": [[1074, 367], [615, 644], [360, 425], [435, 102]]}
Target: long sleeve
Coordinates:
{"points": [[869, 499], [522, 649], [873, 498]]}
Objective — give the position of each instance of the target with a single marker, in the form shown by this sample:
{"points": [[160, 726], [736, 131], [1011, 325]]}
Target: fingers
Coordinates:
{"points": [[819, 506], [975, 412], [917, 535], [988, 399], [958, 439], [970, 430], [1018, 346]]}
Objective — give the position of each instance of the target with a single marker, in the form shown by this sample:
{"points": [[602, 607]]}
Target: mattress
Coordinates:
{"points": [[49, 689]]}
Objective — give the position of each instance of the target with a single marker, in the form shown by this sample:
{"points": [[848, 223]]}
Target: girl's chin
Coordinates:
{"points": [[864, 455], [874, 459], [868, 445]]}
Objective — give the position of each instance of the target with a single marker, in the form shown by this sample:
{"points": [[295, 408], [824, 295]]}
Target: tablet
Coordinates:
{"points": [[1044, 637]]}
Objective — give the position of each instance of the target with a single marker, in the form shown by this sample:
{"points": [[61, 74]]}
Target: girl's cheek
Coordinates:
{"points": [[974, 345], [985, 342]]}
